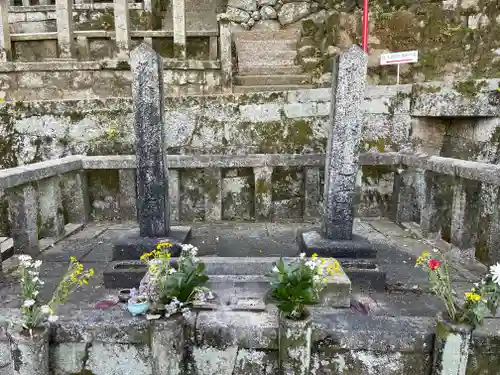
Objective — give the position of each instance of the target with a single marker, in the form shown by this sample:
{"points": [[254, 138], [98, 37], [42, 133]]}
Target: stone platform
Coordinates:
{"points": [[96, 335]]}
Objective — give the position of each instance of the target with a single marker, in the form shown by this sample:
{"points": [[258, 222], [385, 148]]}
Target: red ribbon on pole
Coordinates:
{"points": [[364, 39]]}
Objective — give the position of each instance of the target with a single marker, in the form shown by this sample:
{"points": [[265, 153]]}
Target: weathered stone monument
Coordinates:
{"points": [[153, 207], [341, 167]]}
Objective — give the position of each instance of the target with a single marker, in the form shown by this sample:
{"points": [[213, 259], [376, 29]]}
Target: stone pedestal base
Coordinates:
{"points": [[358, 257], [132, 246]]}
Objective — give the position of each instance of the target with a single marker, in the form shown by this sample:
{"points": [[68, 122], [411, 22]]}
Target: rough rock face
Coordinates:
{"points": [[292, 12], [268, 13], [267, 2], [267, 25], [248, 5], [237, 15]]}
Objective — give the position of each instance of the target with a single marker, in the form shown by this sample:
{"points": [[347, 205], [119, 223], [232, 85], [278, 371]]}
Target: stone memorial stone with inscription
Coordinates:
{"points": [[336, 238], [153, 208]]}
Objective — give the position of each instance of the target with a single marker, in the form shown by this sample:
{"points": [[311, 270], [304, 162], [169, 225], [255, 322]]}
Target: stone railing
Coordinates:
{"points": [[447, 197], [92, 42], [452, 199], [43, 197], [114, 22]]}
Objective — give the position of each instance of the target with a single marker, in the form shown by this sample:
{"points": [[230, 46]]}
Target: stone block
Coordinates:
{"points": [[263, 192], [167, 346], [75, 197], [68, 358], [118, 359], [50, 208], [5, 359], [128, 194], [213, 361], [366, 362], [249, 330], [23, 214], [213, 194], [256, 362]]}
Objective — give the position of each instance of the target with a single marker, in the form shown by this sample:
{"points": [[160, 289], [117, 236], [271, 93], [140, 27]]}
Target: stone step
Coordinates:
{"points": [[246, 89], [248, 69], [337, 292], [271, 80], [260, 35]]}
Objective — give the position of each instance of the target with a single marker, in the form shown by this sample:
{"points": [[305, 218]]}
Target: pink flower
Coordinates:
{"points": [[434, 264]]}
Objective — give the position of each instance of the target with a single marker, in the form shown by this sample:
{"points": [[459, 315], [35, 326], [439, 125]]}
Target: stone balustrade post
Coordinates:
{"points": [[404, 205], [128, 194], [430, 215], [75, 197], [5, 43], [174, 192], [179, 26], [226, 53], [464, 213], [23, 215], [263, 193], [65, 38], [122, 28], [488, 247], [213, 194], [312, 192], [51, 218]]}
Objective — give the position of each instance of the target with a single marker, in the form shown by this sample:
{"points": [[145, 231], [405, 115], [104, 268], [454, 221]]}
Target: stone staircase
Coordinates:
{"points": [[267, 61]]}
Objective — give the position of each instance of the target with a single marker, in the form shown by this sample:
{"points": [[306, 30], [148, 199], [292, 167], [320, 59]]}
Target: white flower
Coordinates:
{"points": [[316, 278], [311, 264], [29, 303], [35, 293], [275, 269], [45, 309], [495, 273], [52, 318], [37, 264], [25, 258], [171, 271], [302, 255]]}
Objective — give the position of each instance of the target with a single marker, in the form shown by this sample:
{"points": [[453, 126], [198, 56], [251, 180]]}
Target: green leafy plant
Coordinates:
{"points": [[483, 297], [176, 284], [297, 283]]}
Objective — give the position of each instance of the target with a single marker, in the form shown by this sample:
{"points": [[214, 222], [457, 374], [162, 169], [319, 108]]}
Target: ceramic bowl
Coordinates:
{"points": [[137, 308]]}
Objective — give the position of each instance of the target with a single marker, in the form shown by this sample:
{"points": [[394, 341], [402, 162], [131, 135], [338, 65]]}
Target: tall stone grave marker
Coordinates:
{"points": [[153, 206], [336, 238]]}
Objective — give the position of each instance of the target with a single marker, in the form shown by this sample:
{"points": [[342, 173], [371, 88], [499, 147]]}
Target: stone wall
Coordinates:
{"points": [[400, 118], [245, 343], [49, 80], [454, 37]]}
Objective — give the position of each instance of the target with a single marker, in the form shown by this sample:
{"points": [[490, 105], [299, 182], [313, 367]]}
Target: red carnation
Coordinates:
{"points": [[434, 264]]}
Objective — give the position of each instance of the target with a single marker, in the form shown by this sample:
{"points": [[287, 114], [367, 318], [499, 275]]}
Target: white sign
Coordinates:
{"points": [[399, 58]]}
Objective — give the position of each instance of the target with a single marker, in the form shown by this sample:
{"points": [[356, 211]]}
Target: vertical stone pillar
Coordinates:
{"points": [[23, 212], [213, 48], [75, 197], [174, 194], [213, 194], [5, 43], [263, 193], [488, 250], [429, 215], [294, 346], [226, 53], [312, 193], [122, 28], [128, 194], [179, 26], [50, 208], [65, 38], [167, 345], [464, 214], [404, 204], [26, 3], [152, 174], [341, 167]]}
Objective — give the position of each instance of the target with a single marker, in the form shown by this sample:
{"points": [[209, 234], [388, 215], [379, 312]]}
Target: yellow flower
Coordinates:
{"points": [[314, 256], [163, 244], [474, 297]]}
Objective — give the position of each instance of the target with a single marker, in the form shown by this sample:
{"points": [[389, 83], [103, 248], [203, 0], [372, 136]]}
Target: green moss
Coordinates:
{"points": [[372, 174], [104, 20], [469, 88], [83, 372]]}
